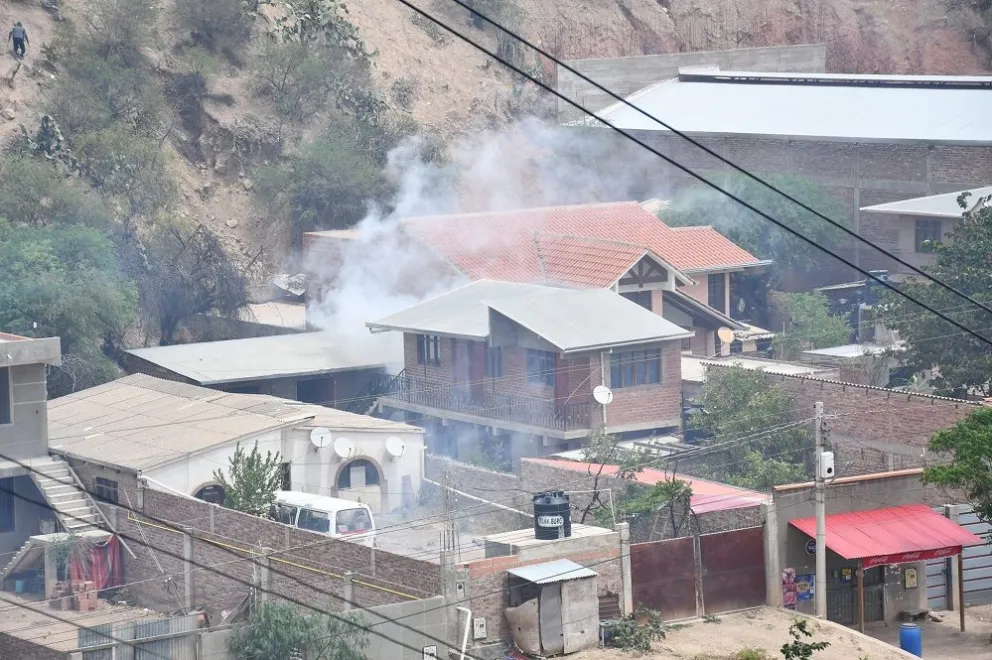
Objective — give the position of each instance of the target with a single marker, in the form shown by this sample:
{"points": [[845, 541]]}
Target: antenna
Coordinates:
{"points": [[343, 447], [320, 437], [395, 446], [602, 394]]}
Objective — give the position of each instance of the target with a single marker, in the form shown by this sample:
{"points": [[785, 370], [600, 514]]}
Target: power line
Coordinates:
{"points": [[710, 152], [692, 173]]}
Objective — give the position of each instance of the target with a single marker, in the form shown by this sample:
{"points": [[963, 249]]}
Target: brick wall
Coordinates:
{"points": [[13, 648], [659, 405], [223, 541], [488, 583]]}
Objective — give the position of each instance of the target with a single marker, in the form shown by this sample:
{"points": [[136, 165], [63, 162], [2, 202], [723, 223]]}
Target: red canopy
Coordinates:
{"points": [[891, 536]]}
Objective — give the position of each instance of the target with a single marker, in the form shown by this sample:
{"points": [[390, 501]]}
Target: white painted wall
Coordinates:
{"points": [[312, 470]]}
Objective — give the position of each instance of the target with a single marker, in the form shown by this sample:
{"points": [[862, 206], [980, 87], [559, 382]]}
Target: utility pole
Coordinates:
{"points": [[820, 583]]}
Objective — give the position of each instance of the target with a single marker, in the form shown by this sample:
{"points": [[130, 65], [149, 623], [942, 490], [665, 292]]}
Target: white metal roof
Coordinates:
{"points": [[939, 206], [140, 422], [560, 570], [694, 368], [258, 358], [814, 106], [854, 350], [574, 320]]}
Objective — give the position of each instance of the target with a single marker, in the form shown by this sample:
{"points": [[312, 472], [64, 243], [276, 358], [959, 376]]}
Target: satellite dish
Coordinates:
{"points": [[343, 447], [725, 334], [602, 394], [320, 437], [395, 446]]}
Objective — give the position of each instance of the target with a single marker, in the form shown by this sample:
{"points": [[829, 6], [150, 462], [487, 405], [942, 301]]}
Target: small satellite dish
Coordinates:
{"points": [[395, 446], [602, 394], [320, 437], [343, 447], [725, 334]]}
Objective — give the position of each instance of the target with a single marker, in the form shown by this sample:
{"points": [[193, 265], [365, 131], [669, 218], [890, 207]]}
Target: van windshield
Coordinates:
{"points": [[317, 521], [352, 521]]}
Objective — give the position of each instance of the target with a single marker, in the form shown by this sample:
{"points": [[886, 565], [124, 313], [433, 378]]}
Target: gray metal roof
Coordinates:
{"points": [[936, 206], [259, 358], [560, 570], [139, 422], [816, 107], [572, 319]]}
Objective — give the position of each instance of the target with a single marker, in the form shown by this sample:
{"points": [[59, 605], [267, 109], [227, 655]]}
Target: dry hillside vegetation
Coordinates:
{"points": [[220, 129]]}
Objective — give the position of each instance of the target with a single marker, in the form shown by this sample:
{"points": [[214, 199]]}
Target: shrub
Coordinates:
{"points": [[217, 25], [33, 192], [297, 78]]}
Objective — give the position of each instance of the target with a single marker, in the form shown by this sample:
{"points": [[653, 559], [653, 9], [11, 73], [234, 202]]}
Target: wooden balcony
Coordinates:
{"points": [[467, 400]]}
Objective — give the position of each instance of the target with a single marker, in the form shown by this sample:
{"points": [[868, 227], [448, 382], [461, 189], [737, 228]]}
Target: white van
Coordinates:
{"points": [[327, 515]]}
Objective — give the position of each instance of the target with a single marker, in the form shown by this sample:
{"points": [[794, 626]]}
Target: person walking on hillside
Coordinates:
{"points": [[20, 37]]}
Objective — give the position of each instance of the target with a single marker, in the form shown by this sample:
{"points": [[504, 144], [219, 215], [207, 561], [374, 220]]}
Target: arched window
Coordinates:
{"points": [[213, 494], [371, 473]]}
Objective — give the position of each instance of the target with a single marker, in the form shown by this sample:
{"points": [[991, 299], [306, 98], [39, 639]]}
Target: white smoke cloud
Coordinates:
{"points": [[530, 164]]}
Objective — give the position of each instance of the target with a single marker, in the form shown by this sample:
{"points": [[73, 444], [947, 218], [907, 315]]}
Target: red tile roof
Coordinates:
{"points": [[892, 535], [706, 495], [508, 245]]}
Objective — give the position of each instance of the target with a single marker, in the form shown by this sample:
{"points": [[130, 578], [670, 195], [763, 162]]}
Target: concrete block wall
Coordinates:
{"points": [[427, 617], [14, 648], [626, 75], [27, 435]]}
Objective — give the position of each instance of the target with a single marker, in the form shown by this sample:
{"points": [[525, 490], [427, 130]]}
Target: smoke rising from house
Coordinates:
{"points": [[533, 163]]}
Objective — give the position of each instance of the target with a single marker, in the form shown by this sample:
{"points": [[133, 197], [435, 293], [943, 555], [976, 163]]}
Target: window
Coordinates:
{"points": [[106, 490], [716, 289], [428, 349], [285, 476], [352, 521], [494, 361], [5, 401], [315, 521], [6, 505], [540, 367], [686, 344], [284, 513], [371, 473], [212, 494], [634, 368], [642, 298], [927, 233]]}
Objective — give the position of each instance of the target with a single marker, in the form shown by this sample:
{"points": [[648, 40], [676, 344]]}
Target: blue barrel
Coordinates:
{"points": [[910, 639]]}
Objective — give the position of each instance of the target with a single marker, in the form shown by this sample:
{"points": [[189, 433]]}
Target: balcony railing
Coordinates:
{"points": [[471, 401]]}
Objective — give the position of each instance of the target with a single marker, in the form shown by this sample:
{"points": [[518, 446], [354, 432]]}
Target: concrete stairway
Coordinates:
{"points": [[66, 495], [29, 553]]}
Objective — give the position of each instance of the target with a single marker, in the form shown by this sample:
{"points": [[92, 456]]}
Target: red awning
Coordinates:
{"points": [[891, 536]]}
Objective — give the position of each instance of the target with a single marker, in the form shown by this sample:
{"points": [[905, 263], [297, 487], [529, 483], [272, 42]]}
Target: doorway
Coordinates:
{"points": [[842, 595]]}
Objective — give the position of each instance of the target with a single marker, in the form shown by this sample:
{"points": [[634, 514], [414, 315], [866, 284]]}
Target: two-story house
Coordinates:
{"points": [[516, 365], [685, 274]]}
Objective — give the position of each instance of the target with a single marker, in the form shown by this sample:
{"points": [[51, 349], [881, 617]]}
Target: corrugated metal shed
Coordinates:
{"points": [[868, 108], [937, 206], [573, 320], [559, 570], [886, 532], [259, 358]]}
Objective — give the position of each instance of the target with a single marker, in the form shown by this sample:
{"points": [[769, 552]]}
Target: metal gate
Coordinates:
{"points": [[977, 566], [842, 598], [152, 638]]}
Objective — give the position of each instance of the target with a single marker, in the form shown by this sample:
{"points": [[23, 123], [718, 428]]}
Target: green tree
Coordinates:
{"points": [[64, 282], [34, 192], [967, 446], [745, 413], [252, 480], [700, 205], [808, 324], [277, 631], [964, 363]]}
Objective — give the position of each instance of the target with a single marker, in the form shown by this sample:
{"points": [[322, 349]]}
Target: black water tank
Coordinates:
{"points": [[552, 513]]}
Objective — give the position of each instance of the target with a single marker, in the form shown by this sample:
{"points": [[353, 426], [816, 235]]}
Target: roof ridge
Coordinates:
{"points": [[529, 209], [592, 239]]}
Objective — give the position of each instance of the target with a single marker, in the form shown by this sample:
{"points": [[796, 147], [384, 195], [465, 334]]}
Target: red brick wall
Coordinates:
{"points": [[317, 567], [12, 648], [649, 404]]}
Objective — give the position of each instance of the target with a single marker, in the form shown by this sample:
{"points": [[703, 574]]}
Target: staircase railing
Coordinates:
{"points": [[79, 484], [379, 385]]}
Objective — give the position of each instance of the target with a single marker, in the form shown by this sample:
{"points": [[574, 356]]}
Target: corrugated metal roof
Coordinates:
{"points": [[259, 358], [854, 109], [571, 319], [560, 570], [892, 531], [140, 422], [940, 206]]}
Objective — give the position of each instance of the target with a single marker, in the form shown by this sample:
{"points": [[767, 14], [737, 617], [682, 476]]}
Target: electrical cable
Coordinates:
{"points": [[704, 148], [692, 173]]}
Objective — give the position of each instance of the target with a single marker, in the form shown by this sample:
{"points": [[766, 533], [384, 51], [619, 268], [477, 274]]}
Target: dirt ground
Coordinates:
{"points": [[766, 630]]}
